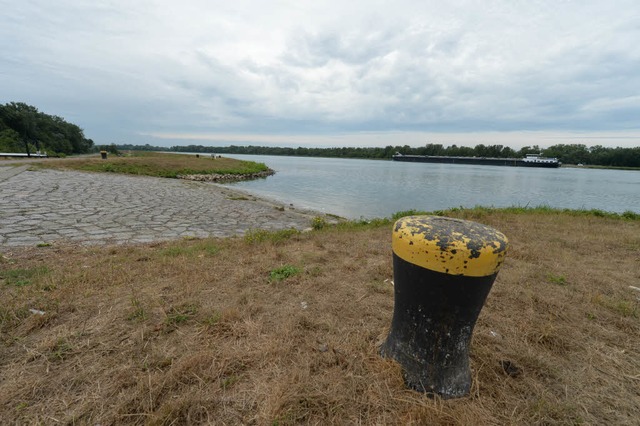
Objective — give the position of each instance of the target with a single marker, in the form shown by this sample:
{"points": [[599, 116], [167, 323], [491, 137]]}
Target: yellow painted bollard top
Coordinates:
{"points": [[448, 245]]}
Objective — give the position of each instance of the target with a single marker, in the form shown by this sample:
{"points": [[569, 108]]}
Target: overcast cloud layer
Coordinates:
{"points": [[328, 73]]}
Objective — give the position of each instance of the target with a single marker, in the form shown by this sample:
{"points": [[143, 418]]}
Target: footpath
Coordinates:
{"points": [[50, 206]]}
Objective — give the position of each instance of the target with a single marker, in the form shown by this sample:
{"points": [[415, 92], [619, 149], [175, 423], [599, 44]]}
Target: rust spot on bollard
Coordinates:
{"points": [[443, 271]]}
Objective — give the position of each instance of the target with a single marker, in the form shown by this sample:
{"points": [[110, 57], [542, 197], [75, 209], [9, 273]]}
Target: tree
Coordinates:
{"points": [[10, 141], [40, 131], [569, 154]]}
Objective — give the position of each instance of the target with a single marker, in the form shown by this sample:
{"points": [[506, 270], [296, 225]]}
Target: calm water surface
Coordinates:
{"points": [[372, 188]]}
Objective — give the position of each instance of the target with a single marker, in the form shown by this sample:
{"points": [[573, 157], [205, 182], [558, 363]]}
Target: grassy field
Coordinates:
{"points": [[158, 164], [284, 328]]}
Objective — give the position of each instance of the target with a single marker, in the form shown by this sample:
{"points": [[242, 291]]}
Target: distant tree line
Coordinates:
{"points": [[597, 155], [146, 147], [567, 154], [300, 151], [24, 129]]}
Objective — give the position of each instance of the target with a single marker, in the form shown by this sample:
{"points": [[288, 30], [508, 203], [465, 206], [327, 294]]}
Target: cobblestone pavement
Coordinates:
{"points": [[47, 206]]}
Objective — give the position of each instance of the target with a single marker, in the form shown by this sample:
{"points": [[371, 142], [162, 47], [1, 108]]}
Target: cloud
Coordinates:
{"points": [[128, 71]]}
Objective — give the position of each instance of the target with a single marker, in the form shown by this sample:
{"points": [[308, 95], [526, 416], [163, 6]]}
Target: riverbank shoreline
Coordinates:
{"points": [[53, 207], [227, 178], [361, 188]]}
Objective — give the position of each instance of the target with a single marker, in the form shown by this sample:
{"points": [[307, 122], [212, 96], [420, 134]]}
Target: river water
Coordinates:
{"points": [[376, 188]]}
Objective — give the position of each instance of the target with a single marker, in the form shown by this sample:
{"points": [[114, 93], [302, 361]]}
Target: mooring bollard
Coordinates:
{"points": [[443, 270]]}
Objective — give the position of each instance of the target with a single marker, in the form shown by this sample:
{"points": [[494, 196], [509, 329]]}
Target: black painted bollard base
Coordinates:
{"points": [[443, 270], [432, 324]]}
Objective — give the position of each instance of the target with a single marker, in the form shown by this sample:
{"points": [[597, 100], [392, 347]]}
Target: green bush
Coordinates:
{"points": [[283, 273], [318, 223]]}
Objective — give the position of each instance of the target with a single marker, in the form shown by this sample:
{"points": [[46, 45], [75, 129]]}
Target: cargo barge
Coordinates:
{"points": [[531, 160]]}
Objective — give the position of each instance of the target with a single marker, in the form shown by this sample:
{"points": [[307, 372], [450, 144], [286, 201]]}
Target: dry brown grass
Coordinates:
{"points": [[196, 331]]}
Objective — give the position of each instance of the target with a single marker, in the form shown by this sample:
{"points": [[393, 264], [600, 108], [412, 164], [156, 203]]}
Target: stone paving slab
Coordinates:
{"points": [[48, 206], [7, 172]]}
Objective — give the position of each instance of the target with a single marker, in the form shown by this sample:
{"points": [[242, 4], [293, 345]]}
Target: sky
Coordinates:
{"points": [[329, 73]]}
